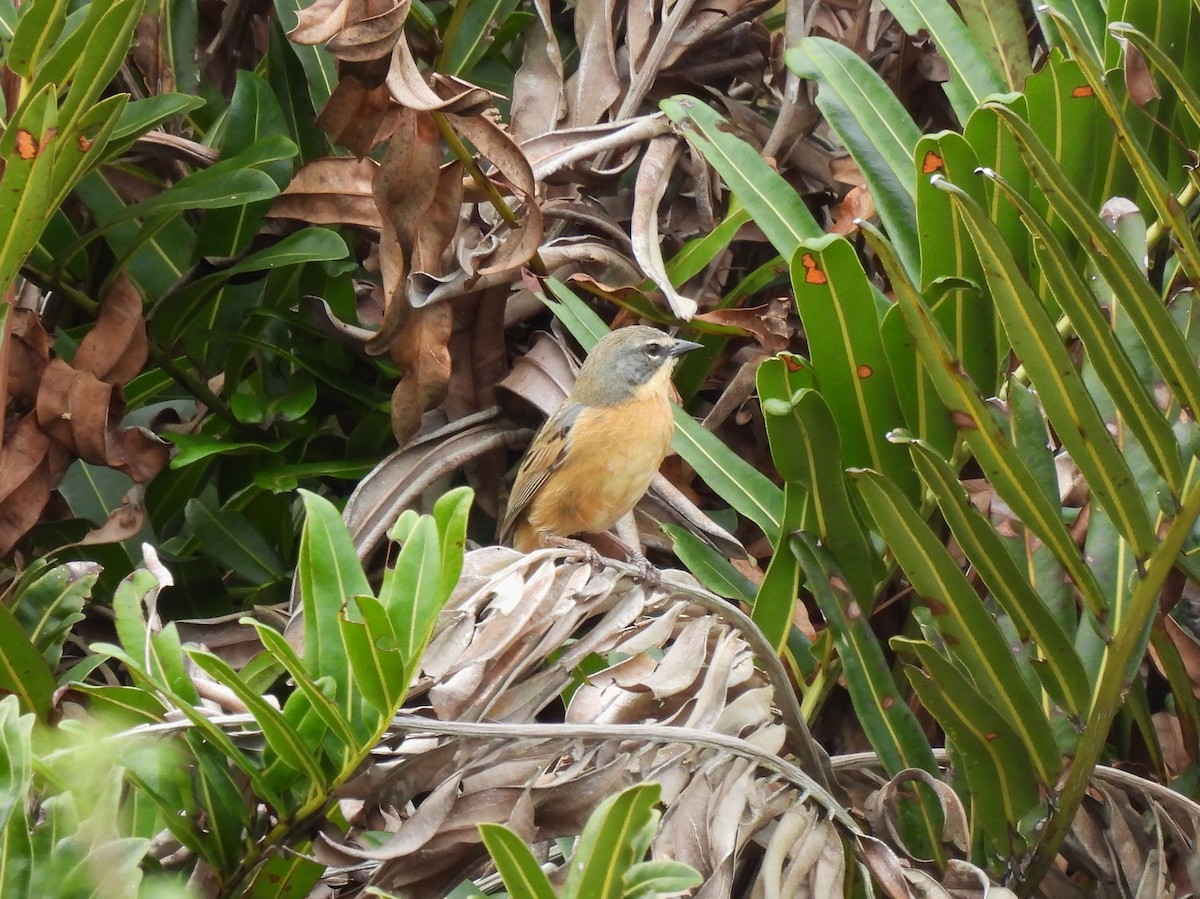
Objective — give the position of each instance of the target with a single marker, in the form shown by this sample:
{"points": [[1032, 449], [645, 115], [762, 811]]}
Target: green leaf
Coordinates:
{"points": [[1002, 781], [23, 671], [254, 113], [412, 591], [26, 185], [774, 204], [991, 446], [280, 737], [328, 573], [1150, 317], [109, 32], [1111, 364], [451, 513], [229, 539], [728, 475], [1067, 402], [48, 605], [1056, 664], [140, 116], [1156, 187], [518, 868], [881, 709], [467, 37], [373, 648], [192, 448], [998, 27], [605, 850], [972, 76], [320, 704], [38, 27], [875, 128], [655, 878], [971, 636], [841, 312], [710, 568]]}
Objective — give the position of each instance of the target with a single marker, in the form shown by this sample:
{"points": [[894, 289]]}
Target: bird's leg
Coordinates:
{"points": [[630, 541], [586, 552]]}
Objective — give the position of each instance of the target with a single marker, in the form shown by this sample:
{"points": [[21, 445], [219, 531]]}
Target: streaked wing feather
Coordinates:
{"points": [[545, 455]]}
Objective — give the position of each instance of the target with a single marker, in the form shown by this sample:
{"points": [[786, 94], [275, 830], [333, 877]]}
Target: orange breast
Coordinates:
{"points": [[614, 452]]}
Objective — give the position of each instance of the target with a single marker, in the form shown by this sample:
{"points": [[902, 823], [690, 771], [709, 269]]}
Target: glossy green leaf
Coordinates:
{"points": [[1056, 663], [374, 652], [450, 514], [1000, 776], [998, 27], [160, 651], [328, 574], [85, 147], [49, 604], [318, 702], [520, 871], [841, 313], [26, 186], [988, 441], [606, 850], [972, 638], [109, 29], [879, 706], [773, 203], [1149, 316], [1087, 16], [1068, 405], [972, 75], [230, 539], [874, 127], [192, 448], [318, 62], [23, 671], [807, 449], [469, 33], [254, 113], [412, 590], [655, 878], [1157, 189], [140, 116], [713, 570], [1113, 367], [38, 27], [280, 737]]}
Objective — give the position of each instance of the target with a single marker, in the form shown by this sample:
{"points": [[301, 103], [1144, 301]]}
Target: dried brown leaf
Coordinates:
{"points": [[370, 30], [116, 348], [332, 191], [358, 117], [81, 413]]}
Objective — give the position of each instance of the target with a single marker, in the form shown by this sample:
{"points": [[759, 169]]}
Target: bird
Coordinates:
{"points": [[595, 456]]}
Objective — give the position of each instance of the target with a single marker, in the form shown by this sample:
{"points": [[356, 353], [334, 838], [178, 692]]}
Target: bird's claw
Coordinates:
{"points": [[647, 574], [583, 550]]}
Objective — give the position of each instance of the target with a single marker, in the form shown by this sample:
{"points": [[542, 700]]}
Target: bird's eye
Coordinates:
{"points": [[655, 350]]}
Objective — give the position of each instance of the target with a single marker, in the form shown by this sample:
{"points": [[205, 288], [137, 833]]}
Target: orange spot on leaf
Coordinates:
{"points": [[85, 143], [865, 371], [27, 145], [932, 163], [812, 274], [1084, 90]]}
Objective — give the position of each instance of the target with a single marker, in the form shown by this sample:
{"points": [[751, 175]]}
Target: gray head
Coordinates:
{"points": [[623, 361]]}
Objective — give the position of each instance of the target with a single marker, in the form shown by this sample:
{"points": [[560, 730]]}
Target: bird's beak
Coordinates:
{"points": [[683, 346]]}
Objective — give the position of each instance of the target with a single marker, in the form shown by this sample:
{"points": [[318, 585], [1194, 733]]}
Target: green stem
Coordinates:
{"points": [[1127, 647], [193, 385], [464, 155]]}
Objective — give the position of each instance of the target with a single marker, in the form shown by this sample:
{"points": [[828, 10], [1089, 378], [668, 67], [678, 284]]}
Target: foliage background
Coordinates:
{"points": [[940, 443]]}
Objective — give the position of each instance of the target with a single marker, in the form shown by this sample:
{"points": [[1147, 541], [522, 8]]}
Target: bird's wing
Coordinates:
{"points": [[545, 455]]}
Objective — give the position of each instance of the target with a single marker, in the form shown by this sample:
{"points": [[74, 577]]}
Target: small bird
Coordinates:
{"points": [[594, 457]]}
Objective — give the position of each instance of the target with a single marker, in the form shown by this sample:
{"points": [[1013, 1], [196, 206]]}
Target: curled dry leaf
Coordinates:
{"points": [[505, 647], [82, 413], [521, 243], [654, 175], [358, 117], [116, 348], [332, 191], [56, 412]]}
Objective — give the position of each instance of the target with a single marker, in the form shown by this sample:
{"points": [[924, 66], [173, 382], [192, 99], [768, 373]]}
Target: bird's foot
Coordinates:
{"points": [[582, 549]]}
